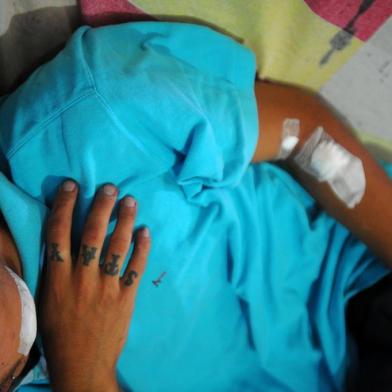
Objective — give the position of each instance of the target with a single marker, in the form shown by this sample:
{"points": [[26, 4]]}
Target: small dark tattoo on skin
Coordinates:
{"points": [[111, 268], [88, 254], [55, 253], [130, 276], [159, 280]]}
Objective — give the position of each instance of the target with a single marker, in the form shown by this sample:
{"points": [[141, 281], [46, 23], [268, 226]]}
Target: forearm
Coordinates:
{"points": [[65, 379], [72, 385], [370, 219]]}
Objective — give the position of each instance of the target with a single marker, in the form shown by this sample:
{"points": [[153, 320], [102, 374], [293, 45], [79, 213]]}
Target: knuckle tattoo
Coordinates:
{"points": [[129, 277], [54, 253], [111, 267], [88, 254]]}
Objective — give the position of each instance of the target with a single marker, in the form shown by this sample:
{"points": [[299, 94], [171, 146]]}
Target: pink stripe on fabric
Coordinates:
{"points": [[105, 12], [366, 16]]}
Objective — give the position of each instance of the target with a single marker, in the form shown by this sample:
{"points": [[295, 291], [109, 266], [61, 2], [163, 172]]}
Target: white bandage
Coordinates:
{"points": [[28, 329], [328, 161], [290, 137]]}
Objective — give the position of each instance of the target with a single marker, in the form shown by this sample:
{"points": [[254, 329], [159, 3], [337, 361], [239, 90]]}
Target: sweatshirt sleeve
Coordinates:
{"points": [[184, 93]]}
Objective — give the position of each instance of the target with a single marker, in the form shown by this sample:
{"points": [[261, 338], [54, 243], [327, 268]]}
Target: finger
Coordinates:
{"points": [[95, 231], [121, 238], [59, 225], [138, 261]]}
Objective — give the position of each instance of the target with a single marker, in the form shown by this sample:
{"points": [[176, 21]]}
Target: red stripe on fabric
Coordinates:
{"points": [[105, 12], [367, 16]]}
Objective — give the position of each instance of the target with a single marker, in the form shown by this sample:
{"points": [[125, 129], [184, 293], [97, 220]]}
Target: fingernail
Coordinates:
{"points": [[69, 186], [145, 232], [129, 201], [109, 190]]}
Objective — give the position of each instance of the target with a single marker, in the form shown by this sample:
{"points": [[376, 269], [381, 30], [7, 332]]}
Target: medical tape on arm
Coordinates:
{"points": [[28, 330], [290, 137], [328, 161]]}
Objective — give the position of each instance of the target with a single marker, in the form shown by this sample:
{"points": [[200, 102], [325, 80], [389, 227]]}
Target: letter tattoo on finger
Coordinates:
{"points": [[129, 278], [111, 268], [55, 253], [88, 254]]}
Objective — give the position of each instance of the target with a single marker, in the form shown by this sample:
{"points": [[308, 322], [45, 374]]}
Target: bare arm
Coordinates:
{"points": [[370, 220]]}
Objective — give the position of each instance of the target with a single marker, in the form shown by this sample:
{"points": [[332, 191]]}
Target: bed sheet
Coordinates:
{"points": [[339, 48]]}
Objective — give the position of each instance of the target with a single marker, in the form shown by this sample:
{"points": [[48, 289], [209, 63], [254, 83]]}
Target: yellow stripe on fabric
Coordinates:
{"points": [[380, 147], [288, 38]]}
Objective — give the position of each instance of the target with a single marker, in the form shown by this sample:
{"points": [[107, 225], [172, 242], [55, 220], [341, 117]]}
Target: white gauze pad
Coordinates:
{"points": [[328, 161], [28, 330], [290, 137]]}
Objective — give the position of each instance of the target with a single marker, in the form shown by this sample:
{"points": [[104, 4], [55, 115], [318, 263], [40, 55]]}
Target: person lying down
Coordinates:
{"points": [[265, 216]]}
